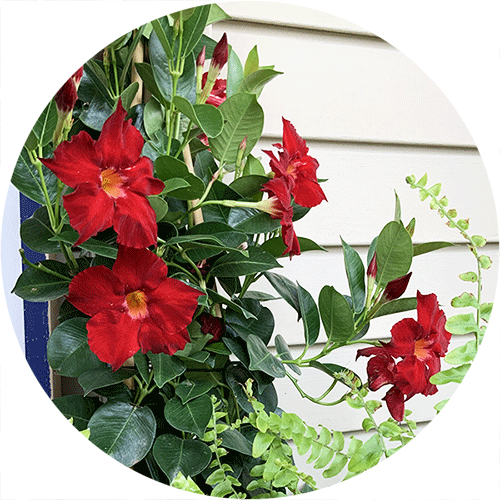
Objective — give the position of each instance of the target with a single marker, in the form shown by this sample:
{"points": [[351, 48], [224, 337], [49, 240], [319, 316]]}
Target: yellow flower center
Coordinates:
{"points": [[137, 304], [421, 348], [111, 182]]}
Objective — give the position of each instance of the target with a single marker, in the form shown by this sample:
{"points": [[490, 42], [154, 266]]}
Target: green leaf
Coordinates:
{"points": [[355, 275], [366, 456], [190, 417], [27, 180], [485, 262], [188, 390], [162, 37], [36, 285], [422, 248], [185, 483], [261, 359], [205, 116], [339, 462], [127, 96], [262, 324], [79, 408], [234, 73], [463, 354], [396, 306], [36, 233], [123, 431], [168, 167], [253, 167], [336, 315], [465, 300], [470, 276], [283, 351], [68, 352], [159, 205], [462, 324], [252, 62], [193, 28], [286, 288], [235, 440], [276, 247], [91, 245], [310, 316], [261, 443], [165, 368], [220, 299], [153, 116], [235, 264], [98, 78], [175, 455], [103, 377], [394, 253], [248, 185], [44, 128], [216, 14], [455, 374], [252, 221], [344, 375], [254, 83], [478, 240], [243, 117], [146, 73], [141, 363]]}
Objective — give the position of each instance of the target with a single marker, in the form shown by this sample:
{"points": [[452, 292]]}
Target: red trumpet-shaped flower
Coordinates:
{"points": [[111, 181], [421, 344], [133, 306], [295, 163], [279, 207]]}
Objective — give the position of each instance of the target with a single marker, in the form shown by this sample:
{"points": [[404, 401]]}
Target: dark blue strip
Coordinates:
{"points": [[36, 324]]}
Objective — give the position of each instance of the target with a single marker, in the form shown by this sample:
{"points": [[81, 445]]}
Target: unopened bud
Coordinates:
{"points": [[200, 60], [372, 268], [220, 54], [396, 288]]}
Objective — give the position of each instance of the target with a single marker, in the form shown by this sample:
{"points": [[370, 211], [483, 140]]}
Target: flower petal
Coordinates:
{"points": [[404, 334], [292, 141], [155, 339], [135, 221], [307, 193], [76, 161], [112, 337], [172, 304], [139, 269], [381, 371], [120, 143], [140, 178], [433, 321], [411, 376], [395, 403], [95, 289], [90, 210]]}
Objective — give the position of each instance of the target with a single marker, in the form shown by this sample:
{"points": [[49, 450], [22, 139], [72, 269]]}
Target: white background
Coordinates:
{"points": [[457, 456]]}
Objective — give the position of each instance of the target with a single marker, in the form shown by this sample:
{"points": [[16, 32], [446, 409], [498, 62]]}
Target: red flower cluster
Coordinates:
{"points": [[421, 344], [111, 180], [294, 175], [133, 306]]}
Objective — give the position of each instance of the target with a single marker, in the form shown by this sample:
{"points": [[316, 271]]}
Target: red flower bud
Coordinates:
{"points": [[200, 60], [220, 54], [212, 325], [372, 268], [396, 288], [66, 97]]}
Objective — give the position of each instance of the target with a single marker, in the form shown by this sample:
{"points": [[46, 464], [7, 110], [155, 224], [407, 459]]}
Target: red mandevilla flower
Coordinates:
{"points": [[133, 306], [295, 163], [218, 93], [278, 207], [212, 325], [421, 344], [111, 180]]}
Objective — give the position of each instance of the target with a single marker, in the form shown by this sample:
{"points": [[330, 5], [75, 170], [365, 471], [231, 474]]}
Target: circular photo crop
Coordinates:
{"points": [[258, 250]]}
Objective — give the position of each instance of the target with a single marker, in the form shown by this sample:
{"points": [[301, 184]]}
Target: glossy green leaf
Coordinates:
{"points": [[243, 117], [175, 455], [252, 62], [168, 167], [455, 375], [142, 365], [79, 408], [462, 354], [93, 245], [153, 116], [162, 38], [248, 185], [422, 248], [276, 247], [336, 315], [205, 116], [103, 377], [286, 288], [192, 416], [253, 166], [355, 276], [68, 352], [27, 180], [254, 83], [188, 390], [128, 95], [193, 28], [394, 253], [396, 306], [159, 205], [36, 285], [310, 316], [165, 368], [97, 112], [234, 440], [125, 432], [252, 221], [235, 264], [283, 352], [98, 78], [261, 359], [220, 299], [262, 324], [44, 128], [146, 73], [234, 73], [36, 233]]}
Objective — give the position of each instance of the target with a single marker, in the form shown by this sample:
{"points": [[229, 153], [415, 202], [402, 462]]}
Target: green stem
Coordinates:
{"points": [[311, 398], [41, 267], [115, 71]]}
